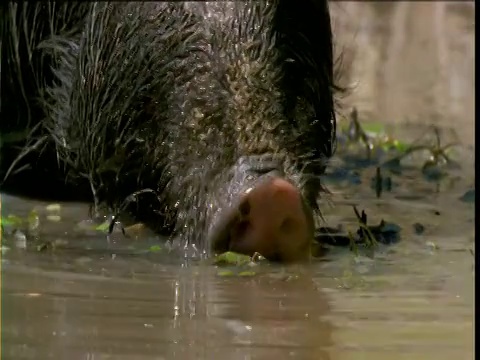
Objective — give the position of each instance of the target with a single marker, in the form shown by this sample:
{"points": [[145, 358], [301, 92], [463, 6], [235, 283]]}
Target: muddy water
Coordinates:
{"points": [[93, 299]]}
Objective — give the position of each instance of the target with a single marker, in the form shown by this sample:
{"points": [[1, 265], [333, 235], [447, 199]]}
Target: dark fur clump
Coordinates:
{"points": [[168, 96], [25, 71]]}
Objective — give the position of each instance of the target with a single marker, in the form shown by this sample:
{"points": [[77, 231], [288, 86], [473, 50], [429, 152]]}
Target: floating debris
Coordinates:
{"points": [[53, 208], [468, 197], [103, 227], [54, 218], [432, 245], [367, 236], [12, 220], [155, 248], [418, 228], [232, 258], [225, 273], [33, 220], [20, 239], [247, 273], [43, 246], [238, 264]]}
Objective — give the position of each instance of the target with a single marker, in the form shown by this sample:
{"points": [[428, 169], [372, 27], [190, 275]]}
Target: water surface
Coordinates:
{"points": [[93, 299]]}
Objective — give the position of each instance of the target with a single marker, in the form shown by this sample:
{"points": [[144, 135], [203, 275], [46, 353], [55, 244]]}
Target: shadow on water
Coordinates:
{"points": [[136, 309]]}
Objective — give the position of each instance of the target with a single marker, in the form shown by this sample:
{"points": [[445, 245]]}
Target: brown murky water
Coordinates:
{"points": [[93, 299]]}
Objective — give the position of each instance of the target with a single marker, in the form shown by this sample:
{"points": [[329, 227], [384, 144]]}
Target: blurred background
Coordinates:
{"points": [[409, 62]]}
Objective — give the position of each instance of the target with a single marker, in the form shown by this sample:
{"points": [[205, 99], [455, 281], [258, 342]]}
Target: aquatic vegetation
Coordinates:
{"points": [[385, 150], [235, 264], [366, 236]]}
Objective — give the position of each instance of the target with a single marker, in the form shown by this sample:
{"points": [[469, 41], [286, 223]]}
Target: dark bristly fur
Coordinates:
{"points": [[25, 71], [168, 96]]}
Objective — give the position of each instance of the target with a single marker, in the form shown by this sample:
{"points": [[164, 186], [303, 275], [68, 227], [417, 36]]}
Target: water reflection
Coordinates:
{"points": [[161, 312], [413, 300]]}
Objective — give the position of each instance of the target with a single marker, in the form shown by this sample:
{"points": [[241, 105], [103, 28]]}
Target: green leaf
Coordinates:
{"points": [[225, 273], [395, 144], [33, 220], [247, 273], [103, 226], [11, 220], [232, 258], [374, 128], [155, 248]]}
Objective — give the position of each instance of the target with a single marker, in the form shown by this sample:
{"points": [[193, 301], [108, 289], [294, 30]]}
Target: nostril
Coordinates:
{"points": [[244, 208], [287, 225], [240, 229]]}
